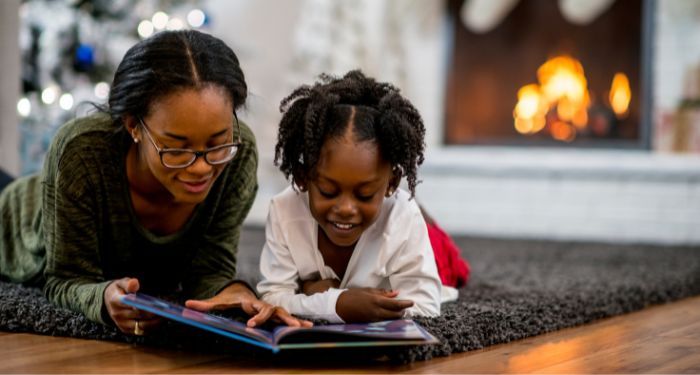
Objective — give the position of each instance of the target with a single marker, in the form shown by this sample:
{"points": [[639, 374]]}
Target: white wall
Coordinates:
{"points": [[9, 85], [262, 33], [617, 196], [599, 195]]}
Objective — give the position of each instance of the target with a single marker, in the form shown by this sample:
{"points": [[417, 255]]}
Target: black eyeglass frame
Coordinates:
{"points": [[236, 145]]}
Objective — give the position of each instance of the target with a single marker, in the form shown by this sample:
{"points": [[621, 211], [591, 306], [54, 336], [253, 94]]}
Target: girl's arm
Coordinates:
{"points": [[412, 269], [279, 285]]}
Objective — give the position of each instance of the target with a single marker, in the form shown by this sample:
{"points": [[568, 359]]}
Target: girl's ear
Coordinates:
{"points": [[394, 182], [302, 187], [299, 182]]}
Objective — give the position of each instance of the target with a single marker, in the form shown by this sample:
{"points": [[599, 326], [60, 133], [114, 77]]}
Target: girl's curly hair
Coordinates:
{"points": [[314, 114]]}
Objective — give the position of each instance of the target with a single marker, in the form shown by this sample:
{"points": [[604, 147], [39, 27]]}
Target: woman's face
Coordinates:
{"points": [[189, 119], [347, 191]]}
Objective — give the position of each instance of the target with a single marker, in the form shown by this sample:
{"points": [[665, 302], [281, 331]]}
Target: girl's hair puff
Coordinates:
{"points": [[315, 113]]}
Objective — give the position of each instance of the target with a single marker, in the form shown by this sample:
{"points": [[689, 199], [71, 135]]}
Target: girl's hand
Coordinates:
{"points": [[237, 295], [370, 305], [310, 287], [128, 319]]}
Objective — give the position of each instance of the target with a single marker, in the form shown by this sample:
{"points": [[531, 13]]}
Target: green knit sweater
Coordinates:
{"points": [[72, 228]]}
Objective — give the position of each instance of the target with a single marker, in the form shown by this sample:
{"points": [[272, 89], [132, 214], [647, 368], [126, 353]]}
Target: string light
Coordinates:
{"points": [[175, 24], [160, 20], [145, 29], [24, 107], [196, 18], [66, 101], [102, 90], [48, 96]]}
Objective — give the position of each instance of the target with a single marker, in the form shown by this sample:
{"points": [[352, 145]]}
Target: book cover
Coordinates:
{"points": [[385, 333]]}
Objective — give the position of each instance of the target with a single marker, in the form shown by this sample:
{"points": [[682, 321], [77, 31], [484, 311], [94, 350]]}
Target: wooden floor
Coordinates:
{"points": [[659, 339]]}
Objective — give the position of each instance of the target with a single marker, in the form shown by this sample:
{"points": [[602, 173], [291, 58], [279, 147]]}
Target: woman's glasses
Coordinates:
{"points": [[182, 157]]}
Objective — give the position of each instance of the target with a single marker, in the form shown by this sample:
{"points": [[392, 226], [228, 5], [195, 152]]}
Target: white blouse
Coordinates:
{"points": [[393, 253]]}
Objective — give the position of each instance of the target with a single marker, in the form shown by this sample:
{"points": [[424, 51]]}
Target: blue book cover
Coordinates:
{"points": [[384, 333]]}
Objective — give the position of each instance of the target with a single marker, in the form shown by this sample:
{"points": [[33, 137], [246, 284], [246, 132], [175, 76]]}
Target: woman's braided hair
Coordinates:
{"points": [[168, 62], [314, 114]]}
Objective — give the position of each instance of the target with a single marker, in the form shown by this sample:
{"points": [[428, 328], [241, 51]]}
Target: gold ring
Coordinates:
{"points": [[137, 329]]}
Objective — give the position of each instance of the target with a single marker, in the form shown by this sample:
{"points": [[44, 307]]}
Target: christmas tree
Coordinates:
{"points": [[70, 50]]}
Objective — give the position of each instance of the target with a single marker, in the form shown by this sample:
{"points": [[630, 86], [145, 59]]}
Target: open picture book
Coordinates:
{"points": [[385, 333]]}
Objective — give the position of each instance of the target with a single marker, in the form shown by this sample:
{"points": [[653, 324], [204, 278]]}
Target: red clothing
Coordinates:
{"points": [[453, 270]]}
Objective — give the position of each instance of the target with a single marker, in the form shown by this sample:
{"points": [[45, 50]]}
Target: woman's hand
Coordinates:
{"points": [[237, 295], [128, 319], [370, 305], [310, 287]]}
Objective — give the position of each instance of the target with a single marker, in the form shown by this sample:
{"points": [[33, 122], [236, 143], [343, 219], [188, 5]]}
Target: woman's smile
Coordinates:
{"points": [[196, 187]]}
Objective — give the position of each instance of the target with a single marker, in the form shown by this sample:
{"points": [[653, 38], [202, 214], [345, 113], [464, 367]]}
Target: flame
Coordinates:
{"points": [[529, 112], [562, 77], [563, 86], [563, 131], [561, 100], [620, 94]]}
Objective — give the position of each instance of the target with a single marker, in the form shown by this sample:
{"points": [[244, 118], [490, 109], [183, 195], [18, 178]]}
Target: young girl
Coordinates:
{"points": [[348, 245]]}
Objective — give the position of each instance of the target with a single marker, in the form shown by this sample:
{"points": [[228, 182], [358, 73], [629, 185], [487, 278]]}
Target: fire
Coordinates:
{"points": [[620, 94], [530, 111], [561, 100], [563, 87]]}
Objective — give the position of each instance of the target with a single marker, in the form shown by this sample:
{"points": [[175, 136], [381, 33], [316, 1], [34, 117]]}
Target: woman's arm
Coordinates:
{"points": [[74, 276], [238, 295], [214, 265]]}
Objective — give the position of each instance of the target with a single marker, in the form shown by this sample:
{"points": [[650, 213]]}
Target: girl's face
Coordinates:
{"points": [[348, 189], [190, 119]]}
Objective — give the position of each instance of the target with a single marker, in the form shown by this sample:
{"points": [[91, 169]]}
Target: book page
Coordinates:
{"points": [[195, 318], [404, 329]]}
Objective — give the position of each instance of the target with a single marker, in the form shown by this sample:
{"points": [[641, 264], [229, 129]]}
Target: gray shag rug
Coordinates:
{"points": [[518, 288]]}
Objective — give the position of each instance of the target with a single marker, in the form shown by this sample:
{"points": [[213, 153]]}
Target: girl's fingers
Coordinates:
{"points": [[384, 292], [394, 304], [390, 314]]}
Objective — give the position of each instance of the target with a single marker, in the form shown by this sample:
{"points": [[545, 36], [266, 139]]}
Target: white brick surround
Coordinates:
{"points": [[611, 196]]}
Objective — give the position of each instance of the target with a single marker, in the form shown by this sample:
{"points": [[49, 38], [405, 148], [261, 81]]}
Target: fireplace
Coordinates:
{"points": [[536, 78]]}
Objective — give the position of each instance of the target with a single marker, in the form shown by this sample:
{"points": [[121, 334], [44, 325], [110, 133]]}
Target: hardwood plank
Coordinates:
{"points": [[659, 339], [567, 350], [46, 354]]}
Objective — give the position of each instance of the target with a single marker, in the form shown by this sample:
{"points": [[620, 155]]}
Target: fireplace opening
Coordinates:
{"points": [[535, 76]]}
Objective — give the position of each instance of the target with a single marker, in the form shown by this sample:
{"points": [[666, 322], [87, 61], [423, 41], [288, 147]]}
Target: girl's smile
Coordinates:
{"points": [[348, 188]]}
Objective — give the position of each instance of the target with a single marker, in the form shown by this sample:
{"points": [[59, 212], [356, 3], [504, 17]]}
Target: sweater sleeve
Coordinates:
{"points": [[214, 264], [74, 277], [413, 271], [280, 278]]}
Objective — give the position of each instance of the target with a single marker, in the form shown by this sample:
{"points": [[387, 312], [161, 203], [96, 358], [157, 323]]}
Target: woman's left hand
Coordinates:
{"points": [[237, 295]]}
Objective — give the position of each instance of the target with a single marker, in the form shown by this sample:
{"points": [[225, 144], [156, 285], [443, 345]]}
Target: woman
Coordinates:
{"points": [[148, 195]]}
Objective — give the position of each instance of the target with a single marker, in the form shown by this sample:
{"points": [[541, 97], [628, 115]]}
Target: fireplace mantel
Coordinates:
{"points": [[562, 163]]}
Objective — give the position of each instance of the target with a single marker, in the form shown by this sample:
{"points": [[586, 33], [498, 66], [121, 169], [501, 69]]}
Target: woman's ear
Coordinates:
{"points": [[130, 124]]}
